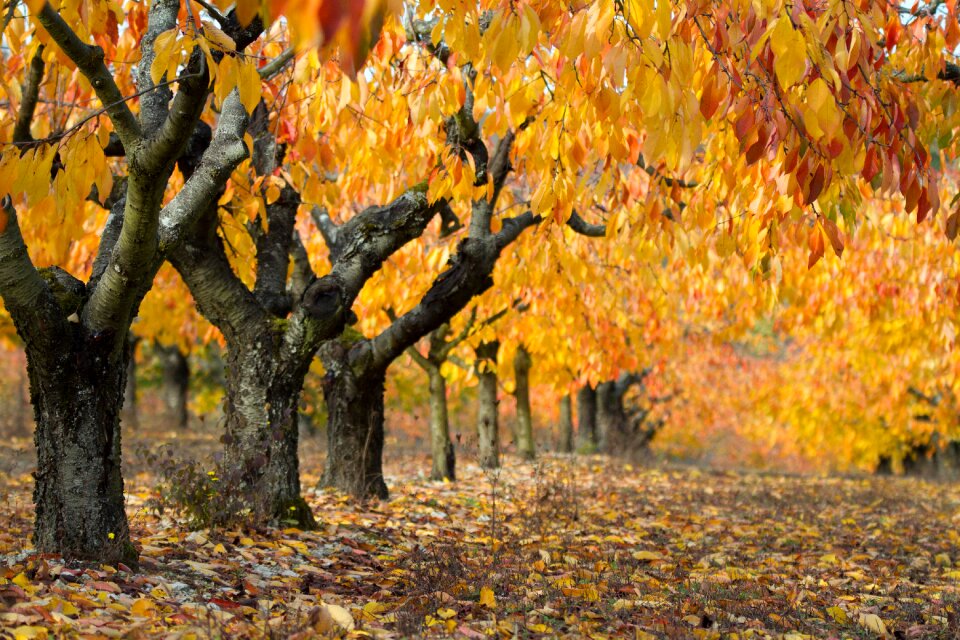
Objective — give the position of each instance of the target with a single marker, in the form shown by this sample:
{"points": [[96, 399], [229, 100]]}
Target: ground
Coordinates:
{"points": [[565, 547]]}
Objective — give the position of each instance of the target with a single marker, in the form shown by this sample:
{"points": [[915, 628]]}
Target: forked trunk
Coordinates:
{"points": [[77, 396], [524, 430], [566, 425], [354, 399], [262, 430], [488, 424], [441, 448], [587, 419]]}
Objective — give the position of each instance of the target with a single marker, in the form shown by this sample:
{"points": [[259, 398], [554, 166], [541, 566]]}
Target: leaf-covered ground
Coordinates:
{"points": [[563, 548]]}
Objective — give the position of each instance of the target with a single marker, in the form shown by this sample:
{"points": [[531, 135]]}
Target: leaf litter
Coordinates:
{"points": [[567, 547]]}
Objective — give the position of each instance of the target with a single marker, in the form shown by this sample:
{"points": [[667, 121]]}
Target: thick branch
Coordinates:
{"points": [[28, 101], [156, 99], [225, 152], [25, 295], [273, 253], [172, 136], [369, 238], [329, 229], [585, 228], [221, 296], [89, 60]]}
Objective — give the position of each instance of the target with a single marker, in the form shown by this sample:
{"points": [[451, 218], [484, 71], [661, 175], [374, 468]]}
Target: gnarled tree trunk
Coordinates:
{"points": [[524, 427], [77, 395], [354, 398], [610, 417], [262, 430], [441, 448], [587, 419], [566, 425], [488, 424]]}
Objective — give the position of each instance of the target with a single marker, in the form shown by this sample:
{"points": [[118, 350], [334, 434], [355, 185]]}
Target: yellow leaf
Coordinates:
{"points": [[142, 607], [218, 38], [790, 53], [838, 614], [28, 632], [333, 617], [487, 598], [873, 622], [249, 85], [647, 555], [163, 49], [21, 580], [446, 614]]}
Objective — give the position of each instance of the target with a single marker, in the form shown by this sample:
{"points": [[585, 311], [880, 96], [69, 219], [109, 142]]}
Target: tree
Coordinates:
{"points": [[75, 332], [441, 344], [488, 415], [523, 432]]}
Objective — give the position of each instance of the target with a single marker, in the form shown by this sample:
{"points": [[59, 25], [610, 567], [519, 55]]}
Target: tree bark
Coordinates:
{"points": [[77, 395], [130, 415], [262, 429], [354, 398], [524, 428], [488, 426], [441, 448], [176, 385], [607, 416], [566, 425], [587, 419]]}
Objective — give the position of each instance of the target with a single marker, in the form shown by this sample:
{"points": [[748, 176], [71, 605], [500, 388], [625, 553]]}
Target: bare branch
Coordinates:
{"points": [[276, 65], [28, 102], [585, 228]]}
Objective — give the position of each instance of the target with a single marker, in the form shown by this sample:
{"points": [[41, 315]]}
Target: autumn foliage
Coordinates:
{"points": [[690, 231]]}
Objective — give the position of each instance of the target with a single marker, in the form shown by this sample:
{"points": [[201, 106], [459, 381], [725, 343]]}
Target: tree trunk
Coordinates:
{"points": [[176, 385], [130, 413], [611, 418], [587, 419], [77, 396], [354, 398], [566, 425], [488, 426], [260, 453], [441, 448], [524, 429]]}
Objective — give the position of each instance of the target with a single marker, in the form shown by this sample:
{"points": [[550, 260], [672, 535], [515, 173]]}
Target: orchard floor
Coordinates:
{"points": [[565, 547]]}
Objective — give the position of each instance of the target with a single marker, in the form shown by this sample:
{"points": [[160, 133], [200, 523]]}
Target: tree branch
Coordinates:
{"points": [[89, 60], [226, 151], [25, 295], [156, 98], [28, 101], [276, 65]]}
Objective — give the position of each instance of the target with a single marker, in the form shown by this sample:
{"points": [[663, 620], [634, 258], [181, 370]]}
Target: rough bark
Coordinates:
{"points": [[354, 398], [587, 419], [77, 394], [566, 425], [441, 448], [262, 429], [131, 414], [524, 426], [176, 385], [488, 426]]}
